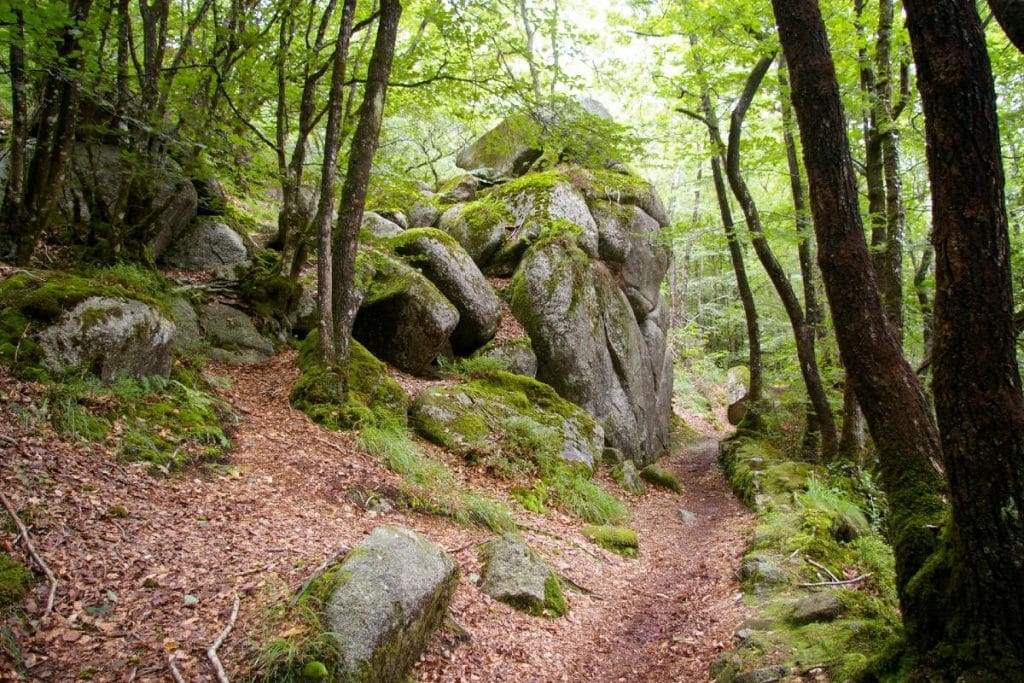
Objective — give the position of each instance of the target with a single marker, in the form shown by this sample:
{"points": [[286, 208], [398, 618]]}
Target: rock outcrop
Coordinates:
{"points": [[516, 575], [208, 244], [113, 338], [231, 336], [392, 592]]}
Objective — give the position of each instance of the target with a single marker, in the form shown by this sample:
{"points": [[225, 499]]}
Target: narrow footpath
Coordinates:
{"points": [[148, 567]]}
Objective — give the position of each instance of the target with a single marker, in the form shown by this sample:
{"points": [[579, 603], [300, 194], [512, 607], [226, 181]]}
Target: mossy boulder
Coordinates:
{"points": [[658, 476], [380, 227], [618, 539], [208, 244], [622, 188], [629, 478], [403, 319], [470, 417], [231, 336], [479, 227], [112, 338], [516, 354], [446, 264], [392, 592], [188, 337], [816, 607], [542, 205], [515, 574], [590, 347], [373, 398], [509, 148], [461, 188]]}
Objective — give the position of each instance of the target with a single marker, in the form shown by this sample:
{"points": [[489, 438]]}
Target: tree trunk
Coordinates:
{"points": [[890, 394], [851, 440], [328, 175], [1010, 15], [804, 340], [977, 387], [924, 302], [345, 297]]}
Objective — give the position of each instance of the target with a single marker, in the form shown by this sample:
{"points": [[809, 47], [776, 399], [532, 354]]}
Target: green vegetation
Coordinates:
{"points": [[428, 484], [373, 399], [14, 583], [617, 539], [658, 476], [812, 528]]}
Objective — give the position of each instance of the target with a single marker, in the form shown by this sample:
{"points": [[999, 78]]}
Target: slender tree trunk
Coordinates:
{"points": [[890, 394], [15, 192], [1010, 15], [345, 296], [977, 387], [794, 310], [328, 175], [891, 277], [924, 301]]}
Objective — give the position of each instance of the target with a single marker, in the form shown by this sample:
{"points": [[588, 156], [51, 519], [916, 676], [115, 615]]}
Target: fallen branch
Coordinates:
{"points": [[847, 582], [316, 574], [33, 554], [823, 568], [211, 652], [9, 440], [174, 670], [581, 588], [327, 443]]}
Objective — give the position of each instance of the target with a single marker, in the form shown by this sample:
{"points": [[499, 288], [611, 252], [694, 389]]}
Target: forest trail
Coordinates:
{"points": [[148, 566]]}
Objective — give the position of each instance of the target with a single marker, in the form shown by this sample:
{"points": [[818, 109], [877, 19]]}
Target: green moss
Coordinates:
{"points": [[531, 183], [374, 398], [617, 539], [404, 242], [483, 214], [554, 599], [14, 582], [389, 192], [265, 289], [657, 476]]}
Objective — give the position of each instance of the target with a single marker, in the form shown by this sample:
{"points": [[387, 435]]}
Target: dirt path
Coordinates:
{"points": [[157, 583]]}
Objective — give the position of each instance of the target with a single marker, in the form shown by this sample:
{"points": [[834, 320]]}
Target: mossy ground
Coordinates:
{"points": [[14, 583], [621, 540], [815, 525], [658, 476]]}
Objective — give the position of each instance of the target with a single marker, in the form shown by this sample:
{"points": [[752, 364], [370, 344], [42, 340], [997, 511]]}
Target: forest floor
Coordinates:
{"points": [[148, 567]]}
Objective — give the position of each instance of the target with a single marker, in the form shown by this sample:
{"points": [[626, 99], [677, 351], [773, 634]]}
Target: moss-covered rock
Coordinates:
{"points": [[403, 319], [208, 244], [516, 355], [515, 574], [374, 398], [618, 539], [447, 265], [623, 188], [509, 148], [472, 417], [231, 336], [392, 591], [658, 476], [479, 227]]}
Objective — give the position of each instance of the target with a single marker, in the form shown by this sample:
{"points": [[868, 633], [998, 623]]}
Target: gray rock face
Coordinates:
{"points": [[403, 319], [394, 589], [517, 354], [815, 608], [762, 573], [114, 338], [189, 336], [536, 210], [446, 264], [212, 199], [423, 215], [630, 479], [380, 227], [515, 574], [207, 245], [478, 416], [232, 336], [460, 189], [590, 348]]}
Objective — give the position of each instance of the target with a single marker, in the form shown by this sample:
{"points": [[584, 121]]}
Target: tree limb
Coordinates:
{"points": [[33, 554], [211, 652]]}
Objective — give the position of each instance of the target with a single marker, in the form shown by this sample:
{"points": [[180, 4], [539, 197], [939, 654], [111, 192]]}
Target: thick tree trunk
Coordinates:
{"points": [[890, 394], [977, 387], [345, 296], [801, 332]]}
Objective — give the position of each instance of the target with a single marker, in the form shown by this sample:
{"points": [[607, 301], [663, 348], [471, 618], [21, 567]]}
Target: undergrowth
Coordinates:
{"points": [[430, 485]]}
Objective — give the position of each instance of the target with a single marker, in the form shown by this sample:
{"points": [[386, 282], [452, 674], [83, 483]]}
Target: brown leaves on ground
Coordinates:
{"points": [[148, 566]]}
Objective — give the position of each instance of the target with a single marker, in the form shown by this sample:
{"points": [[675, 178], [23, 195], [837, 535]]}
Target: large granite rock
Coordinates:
{"points": [[231, 336], [188, 338], [516, 354], [590, 347], [509, 148], [403, 318], [516, 575], [113, 338], [393, 591], [208, 244], [479, 227], [446, 264], [484, 414], [212, 199], [380, 227]]}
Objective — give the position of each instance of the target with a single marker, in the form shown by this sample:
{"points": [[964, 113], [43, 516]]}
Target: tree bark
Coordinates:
{"points": [[977, 387], [890, 394], [804, 340], [345, 297]]}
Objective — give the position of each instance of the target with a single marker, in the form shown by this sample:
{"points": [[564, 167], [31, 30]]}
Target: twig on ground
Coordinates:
{"points": [[9, 440], [847, 582], [469, 545], [174, 670], [316, 573], [327, 443], [581, 588], [33, 554], [211, 652], [823, 568]]}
